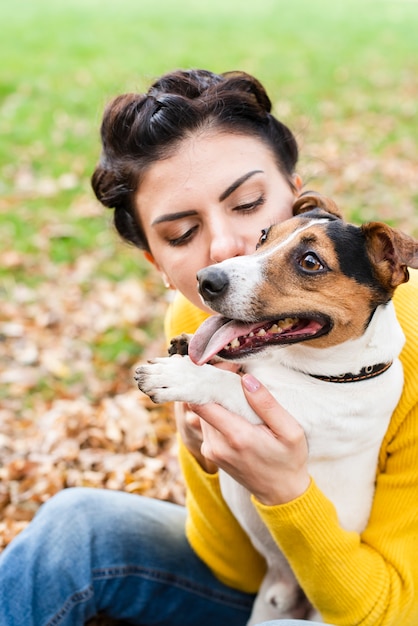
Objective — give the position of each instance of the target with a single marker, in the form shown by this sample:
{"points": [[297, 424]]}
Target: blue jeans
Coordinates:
{"points": [[91, 551]]}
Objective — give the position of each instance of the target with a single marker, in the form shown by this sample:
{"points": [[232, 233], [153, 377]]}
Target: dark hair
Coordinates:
{"points": [[140, 129]]}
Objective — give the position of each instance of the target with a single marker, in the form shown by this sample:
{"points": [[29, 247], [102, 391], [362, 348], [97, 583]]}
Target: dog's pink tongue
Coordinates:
{"points": [[213, 335]]}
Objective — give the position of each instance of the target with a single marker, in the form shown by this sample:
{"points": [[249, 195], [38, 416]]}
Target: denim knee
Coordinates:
{"points": [[70, 506]]}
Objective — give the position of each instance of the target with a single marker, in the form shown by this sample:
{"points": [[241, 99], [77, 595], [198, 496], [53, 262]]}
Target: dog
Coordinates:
{"points": [[309, 314]]}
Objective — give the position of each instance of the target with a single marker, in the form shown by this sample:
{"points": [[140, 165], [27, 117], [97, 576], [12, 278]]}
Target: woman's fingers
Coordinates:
{"points": [[270, 411], [189, 427], [270, 458]]}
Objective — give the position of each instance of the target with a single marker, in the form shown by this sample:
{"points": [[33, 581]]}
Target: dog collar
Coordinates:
{"points": [[371, 371]]}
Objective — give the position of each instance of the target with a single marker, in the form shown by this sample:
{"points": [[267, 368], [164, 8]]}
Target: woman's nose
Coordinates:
{"points": [[225, 245]]}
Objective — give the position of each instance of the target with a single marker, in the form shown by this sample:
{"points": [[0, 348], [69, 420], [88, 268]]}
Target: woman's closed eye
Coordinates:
{"points": [[184, 238], [248, 207]]}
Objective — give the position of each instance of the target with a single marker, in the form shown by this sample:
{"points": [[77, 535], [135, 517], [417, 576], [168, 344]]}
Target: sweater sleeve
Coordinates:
{"points": [[369, 579]]}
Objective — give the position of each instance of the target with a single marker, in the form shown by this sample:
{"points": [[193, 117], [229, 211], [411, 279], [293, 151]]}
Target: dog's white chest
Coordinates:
{"points": [[344, 426]]}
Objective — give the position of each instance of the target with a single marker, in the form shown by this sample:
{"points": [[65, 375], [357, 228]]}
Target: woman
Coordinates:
{"points": [[194, 169]]}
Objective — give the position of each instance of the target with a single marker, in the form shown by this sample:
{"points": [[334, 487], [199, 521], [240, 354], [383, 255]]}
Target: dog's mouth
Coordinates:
{"points": [[233, 340]]}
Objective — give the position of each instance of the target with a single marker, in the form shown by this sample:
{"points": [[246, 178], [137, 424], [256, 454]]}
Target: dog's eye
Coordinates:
{"points": [[264, 233], [310, 262]]}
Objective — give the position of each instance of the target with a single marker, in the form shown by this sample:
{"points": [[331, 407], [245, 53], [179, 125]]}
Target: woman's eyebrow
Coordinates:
{"points": [[237, 183], [172, 217]]}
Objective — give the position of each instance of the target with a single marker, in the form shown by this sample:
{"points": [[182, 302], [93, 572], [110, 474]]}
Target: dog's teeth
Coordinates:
{"points": [[276, 328], [287, 322]]}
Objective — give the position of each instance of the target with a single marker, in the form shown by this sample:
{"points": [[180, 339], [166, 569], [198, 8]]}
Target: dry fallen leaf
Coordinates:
{"points": [[69, 416]]}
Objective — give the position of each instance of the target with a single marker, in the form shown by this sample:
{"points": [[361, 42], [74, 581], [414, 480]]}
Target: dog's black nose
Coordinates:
{"points": [[213, 282]]}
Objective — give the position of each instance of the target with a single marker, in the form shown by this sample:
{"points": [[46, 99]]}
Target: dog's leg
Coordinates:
{"points": [[281, 598], [173, 379]]}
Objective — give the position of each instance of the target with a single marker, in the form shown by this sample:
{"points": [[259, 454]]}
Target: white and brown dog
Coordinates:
{"points": [[310, 315]]}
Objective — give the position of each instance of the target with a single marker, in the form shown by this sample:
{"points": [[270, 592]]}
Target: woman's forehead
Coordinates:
{"points": [[204, 161]]}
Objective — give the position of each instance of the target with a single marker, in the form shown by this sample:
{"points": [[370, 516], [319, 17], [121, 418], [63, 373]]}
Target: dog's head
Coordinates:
{"points": [[312, 278]]}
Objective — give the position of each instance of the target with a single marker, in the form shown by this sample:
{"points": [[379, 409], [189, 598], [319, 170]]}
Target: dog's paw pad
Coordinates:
{"points": [[179, 345]]}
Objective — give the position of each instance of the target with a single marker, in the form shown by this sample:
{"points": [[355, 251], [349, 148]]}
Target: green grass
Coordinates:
{"points": [[343, 75], [62, 60]]}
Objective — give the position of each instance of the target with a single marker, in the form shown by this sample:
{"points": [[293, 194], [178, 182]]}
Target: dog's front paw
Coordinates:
{"points": [[153, 379], [176, 378], [179, 345], [171, 379]]}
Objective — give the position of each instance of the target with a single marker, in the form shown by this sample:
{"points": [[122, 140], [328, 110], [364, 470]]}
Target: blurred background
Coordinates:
{"points": [[78, 308]]}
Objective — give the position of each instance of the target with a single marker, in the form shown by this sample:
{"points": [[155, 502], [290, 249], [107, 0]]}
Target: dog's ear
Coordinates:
{"points": [[309, 200], [391, 252]]}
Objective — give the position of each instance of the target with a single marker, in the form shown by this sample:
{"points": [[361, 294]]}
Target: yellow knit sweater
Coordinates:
{"points": [[369, 579]]}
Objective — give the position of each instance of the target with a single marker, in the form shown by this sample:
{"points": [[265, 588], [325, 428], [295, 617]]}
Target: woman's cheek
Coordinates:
{"points": [[183, 277]]}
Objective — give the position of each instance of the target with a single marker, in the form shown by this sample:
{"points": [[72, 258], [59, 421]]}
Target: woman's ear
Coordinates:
{"points": [[151, 259], [164, 276], [297, 181]]}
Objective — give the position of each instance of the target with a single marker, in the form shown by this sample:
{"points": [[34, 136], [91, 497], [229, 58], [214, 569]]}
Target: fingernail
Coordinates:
{"points": [[250, 383]]}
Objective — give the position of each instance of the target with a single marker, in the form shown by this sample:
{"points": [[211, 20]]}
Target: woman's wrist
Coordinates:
{"points": [[207, 466], [288, 491]]}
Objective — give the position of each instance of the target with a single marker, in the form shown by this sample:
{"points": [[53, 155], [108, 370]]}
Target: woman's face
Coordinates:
{"points": [[208, 203]]}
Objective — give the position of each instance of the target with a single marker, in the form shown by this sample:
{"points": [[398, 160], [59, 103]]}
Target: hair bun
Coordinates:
{"points": [[192, 84], [188, 83], [244, 83], [119, 116], [105, 185]]}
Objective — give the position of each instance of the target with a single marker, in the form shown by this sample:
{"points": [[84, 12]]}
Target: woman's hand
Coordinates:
{"points": [[269, 459], [189, 428]]}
